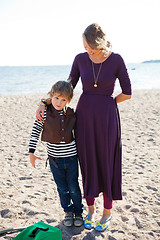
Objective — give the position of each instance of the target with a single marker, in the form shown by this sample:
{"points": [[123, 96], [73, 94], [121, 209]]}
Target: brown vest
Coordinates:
{"points": [[58, 128]]}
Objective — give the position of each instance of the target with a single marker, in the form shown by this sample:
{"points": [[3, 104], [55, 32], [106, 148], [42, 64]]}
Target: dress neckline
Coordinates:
{"points": [[102, 61]]}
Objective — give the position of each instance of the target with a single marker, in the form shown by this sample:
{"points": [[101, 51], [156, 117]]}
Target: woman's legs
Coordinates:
{"points": [[107, 207], [90, 203]]}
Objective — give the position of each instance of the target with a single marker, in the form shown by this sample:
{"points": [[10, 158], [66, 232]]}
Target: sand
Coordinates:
{"points": [[28, 198]]}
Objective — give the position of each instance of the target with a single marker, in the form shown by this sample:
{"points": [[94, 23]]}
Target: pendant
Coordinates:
{"points": [[95, 85]]}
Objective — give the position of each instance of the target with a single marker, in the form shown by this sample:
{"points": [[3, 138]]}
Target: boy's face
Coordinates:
{"points": [[59, 101]]}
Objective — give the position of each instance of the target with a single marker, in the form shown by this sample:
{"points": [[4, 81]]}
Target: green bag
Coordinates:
{"points": [[40, 231]]}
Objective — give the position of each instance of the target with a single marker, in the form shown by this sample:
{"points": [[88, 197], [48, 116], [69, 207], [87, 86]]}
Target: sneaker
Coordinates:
{"points": [[68, 219], [78, 220]]}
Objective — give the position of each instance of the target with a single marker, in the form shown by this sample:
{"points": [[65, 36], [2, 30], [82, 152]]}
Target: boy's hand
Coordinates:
{"points": [[33, 159]]}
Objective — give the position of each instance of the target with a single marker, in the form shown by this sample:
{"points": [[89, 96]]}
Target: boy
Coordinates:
{"points": [[58, 126]]}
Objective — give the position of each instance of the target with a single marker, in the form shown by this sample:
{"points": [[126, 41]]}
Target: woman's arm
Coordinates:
{"points": [[124, 80], [40, 113], [122, 97], [74, 73]]}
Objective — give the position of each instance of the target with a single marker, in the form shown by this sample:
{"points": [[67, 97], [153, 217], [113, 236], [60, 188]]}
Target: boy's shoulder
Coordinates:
{"points": [[70, 109], [69, 112]]}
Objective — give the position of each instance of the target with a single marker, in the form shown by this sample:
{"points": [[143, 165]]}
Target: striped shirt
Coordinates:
{"points": [[58, 150]]}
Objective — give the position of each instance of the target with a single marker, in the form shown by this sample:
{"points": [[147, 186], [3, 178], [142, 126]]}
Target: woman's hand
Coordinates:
{"points": [[41, 108], [122, 97], [40, 113]]}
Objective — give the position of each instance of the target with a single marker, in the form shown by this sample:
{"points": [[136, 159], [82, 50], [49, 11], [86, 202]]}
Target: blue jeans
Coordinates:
{"points": [[65, 174]]}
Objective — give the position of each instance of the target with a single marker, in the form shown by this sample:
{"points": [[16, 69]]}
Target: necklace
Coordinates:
{"points": [[96, 78]]}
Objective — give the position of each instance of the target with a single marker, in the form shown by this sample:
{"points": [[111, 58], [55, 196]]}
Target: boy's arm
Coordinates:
{"points": [[36, 131]]}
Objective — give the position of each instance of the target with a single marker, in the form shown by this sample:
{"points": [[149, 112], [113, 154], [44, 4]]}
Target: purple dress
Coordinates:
{"points": [[98, 133]]}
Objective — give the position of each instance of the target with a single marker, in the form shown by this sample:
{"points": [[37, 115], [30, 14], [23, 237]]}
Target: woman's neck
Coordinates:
{"points": [[101, 57]]}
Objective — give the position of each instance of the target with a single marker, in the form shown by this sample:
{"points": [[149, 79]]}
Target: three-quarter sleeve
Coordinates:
{"points": [[122, 75], [75, 73]]}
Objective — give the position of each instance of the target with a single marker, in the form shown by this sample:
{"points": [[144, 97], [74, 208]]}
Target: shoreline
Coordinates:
{"points": [[27, 199], [77, 91]]}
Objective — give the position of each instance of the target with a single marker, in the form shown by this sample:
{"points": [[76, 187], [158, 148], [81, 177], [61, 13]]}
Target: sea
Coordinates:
{"points": [[39, 79]]}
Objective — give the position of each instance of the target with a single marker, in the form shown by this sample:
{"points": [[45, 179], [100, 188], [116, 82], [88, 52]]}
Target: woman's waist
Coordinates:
{"points": [[101, 93], [97, 96], [94, 99]]}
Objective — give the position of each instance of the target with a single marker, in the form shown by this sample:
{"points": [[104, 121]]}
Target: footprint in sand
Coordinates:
{"points": [[6, 213], [119, 209], [128, 207], [138, 224], [50, 221], [135, 210], [151, 188], [28, 186], [25, 178], [124, 194], [30, 212], [26, 202], [124, 219]]}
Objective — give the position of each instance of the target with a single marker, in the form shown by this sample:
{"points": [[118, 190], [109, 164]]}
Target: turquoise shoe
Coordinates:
{"points": [[100, 227], [88, 224]]}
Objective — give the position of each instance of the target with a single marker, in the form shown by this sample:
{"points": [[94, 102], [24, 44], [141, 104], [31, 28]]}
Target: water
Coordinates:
{"points": [[39, 79], [34, 79], [145, 75]]}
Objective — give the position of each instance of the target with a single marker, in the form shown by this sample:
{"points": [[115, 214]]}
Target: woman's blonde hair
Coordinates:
{"points": [[96, 38], [63, 88]]}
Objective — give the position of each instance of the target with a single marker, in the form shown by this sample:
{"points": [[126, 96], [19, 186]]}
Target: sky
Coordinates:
{"points": [[49, 32]]}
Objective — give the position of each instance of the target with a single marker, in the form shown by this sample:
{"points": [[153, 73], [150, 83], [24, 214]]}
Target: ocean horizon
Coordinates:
{"points": [[39, 79]]}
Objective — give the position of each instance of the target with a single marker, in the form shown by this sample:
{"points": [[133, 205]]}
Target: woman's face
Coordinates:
{"points": [[91, 52]]}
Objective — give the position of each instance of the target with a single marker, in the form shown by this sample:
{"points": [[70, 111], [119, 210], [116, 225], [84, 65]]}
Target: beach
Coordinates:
{"points": [[30, 196]]}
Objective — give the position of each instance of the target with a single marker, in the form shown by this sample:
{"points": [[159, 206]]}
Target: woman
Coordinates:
{"points": [[98, 133]]}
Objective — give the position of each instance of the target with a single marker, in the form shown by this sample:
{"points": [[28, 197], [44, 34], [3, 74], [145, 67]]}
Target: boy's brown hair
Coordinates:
{"points": [[63, 88]]}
